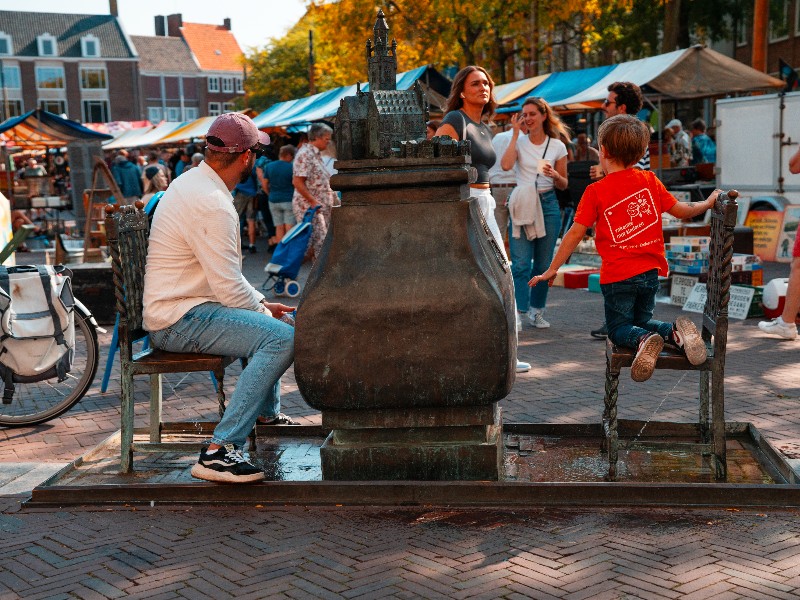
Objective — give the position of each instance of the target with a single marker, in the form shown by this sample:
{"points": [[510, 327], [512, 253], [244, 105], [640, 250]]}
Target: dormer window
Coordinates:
{"points": [[6, 49], [47, 45], [90, 46]]}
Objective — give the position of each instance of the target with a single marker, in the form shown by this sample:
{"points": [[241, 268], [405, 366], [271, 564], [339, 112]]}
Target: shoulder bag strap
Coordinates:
{"points": [[44, 276]]}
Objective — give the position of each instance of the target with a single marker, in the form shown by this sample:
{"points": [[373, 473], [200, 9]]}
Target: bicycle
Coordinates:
{"points": [[37, 400]]}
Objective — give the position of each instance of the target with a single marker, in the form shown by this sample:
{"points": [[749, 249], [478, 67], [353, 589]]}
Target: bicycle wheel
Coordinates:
{"points": [[35, 403]]}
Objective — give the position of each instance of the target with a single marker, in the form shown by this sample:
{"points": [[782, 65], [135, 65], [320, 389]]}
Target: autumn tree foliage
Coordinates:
{"points": [[511, 38]]}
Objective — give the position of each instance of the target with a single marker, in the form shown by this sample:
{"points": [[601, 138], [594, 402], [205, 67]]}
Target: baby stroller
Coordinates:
{"points": [[288, 257]]}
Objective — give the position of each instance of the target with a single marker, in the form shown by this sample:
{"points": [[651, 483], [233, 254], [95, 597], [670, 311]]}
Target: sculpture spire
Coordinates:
{"points": [[382, 59]]}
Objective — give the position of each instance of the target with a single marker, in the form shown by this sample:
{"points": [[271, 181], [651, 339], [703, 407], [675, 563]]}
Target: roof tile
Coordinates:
{"points": [[24, 27], [161, 54], [214, 47]]}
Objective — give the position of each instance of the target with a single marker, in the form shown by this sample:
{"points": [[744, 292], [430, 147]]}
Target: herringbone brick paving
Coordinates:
{"points": [[298, 552], [258, 552]]}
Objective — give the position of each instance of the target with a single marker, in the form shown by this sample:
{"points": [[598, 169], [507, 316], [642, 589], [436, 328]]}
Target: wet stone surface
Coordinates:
{"points": [[527, 458]]}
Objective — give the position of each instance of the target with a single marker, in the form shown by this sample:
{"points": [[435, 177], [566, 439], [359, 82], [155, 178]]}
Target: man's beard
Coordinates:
{"points": [[246, 172]]}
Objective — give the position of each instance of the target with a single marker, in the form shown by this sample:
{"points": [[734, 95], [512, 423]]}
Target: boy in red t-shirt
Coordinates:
{"points": [[625, 209]]}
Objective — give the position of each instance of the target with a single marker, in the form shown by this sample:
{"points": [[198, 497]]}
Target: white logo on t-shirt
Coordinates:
{"points": [[629, 217]]}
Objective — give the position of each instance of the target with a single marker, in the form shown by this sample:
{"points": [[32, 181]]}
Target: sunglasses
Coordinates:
{"points": [[608, 102]]}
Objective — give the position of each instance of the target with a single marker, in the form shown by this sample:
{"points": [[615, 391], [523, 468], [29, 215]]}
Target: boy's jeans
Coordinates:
{"points": [[629, 308], [268, 343]]}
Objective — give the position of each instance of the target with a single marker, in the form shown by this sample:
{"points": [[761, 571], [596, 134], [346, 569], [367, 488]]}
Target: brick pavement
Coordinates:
{"points": [[314, 552]]}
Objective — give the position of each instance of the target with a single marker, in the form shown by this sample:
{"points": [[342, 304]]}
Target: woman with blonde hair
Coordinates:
{"points": [[540, 158]]}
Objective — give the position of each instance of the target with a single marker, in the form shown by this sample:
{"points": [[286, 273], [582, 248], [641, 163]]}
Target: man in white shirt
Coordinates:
{"points": [[196, 298]]}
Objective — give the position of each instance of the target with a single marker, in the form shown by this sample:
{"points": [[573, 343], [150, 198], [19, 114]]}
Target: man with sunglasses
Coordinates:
{"points": [[196, 298], [624, 98]]}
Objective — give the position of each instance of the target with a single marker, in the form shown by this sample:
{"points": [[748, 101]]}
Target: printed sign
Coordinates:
{"points": [[738, 305], [791, 219], [741, 298], [629, 217], [696, 302], [766, 226], [681, 288]]}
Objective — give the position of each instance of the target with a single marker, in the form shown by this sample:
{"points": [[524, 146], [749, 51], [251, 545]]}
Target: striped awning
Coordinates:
{"points": [[41, 129]]}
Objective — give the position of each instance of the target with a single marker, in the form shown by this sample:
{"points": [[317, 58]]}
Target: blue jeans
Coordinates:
{"points": [[267, 342], [629, 308], [532, 257]]}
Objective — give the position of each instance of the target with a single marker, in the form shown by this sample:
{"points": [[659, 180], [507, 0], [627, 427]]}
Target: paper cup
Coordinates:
{"points": [[542, 163]]}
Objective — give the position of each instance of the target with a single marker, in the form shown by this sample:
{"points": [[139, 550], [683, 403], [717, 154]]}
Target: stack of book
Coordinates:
{"points": [[688, 254]]}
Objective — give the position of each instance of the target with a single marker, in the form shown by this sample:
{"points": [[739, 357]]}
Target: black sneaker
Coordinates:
{"points": [[279, 419], [226, 465], [600, 333], [252, 249]]}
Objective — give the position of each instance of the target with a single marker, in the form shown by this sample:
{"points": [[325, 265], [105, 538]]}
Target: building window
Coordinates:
{"points": [[778, 20], [213, 84], [50, 78], [6, 49], [227, 84], [213, 109], [240, 82], [154, 114], [173, 113], [14, 109], [228, 107], [741, 32], [797, 18], [190, 114], [93, 78], [57, 107], [95, 111], [90, 46], [47, 45], [11, 80]]}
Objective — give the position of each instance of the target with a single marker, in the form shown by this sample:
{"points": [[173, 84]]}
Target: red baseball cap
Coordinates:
{"points": [[234, 132]]}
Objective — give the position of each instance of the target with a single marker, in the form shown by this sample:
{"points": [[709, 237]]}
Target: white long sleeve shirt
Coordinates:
{"points": [[194, 253]]}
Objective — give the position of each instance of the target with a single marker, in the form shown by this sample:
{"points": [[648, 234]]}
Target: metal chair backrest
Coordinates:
{"points": [[718, 287]]}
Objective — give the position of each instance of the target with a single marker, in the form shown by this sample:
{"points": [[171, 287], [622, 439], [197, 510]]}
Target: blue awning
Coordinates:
{"points": [[559, 86], [324, 105]]}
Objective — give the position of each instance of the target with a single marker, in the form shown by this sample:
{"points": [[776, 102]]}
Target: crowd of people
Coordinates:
{"points": [[275, 194]]}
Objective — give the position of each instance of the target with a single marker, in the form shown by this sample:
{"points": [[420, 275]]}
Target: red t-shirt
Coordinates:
{"points": [[625, 209]]}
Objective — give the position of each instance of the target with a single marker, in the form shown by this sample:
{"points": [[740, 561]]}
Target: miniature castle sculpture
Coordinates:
{"points": [[405, 332], [371, 124]]}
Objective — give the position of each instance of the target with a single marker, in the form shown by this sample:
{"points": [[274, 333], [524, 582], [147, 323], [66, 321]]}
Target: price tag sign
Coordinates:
{"points": [[681, 287]]}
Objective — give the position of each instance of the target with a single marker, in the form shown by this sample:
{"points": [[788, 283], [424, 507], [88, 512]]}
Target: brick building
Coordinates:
{"points": [[169, 79], [218, 57], [84, 66], [783, 37]]}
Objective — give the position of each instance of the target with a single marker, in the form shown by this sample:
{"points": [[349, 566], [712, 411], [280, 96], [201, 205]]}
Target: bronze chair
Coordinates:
{"points": [[127, 230], [715, 335]]}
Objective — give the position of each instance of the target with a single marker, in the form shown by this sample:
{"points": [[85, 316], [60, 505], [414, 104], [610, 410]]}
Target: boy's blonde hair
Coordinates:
{"points": [[624, 139]]}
